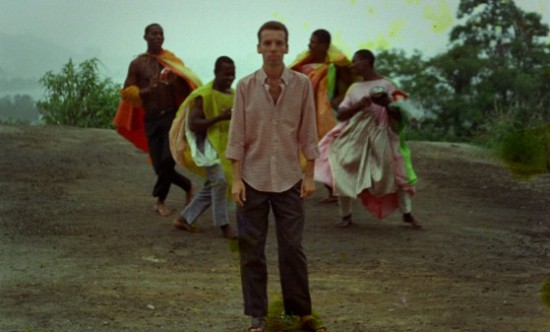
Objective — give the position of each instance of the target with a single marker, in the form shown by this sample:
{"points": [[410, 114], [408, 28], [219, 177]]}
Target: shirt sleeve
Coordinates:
{"points": [[236, 140], [347, 98], [308, 126]]}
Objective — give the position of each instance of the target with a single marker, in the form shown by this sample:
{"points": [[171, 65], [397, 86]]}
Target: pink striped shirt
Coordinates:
{"points": [[267, 137]]}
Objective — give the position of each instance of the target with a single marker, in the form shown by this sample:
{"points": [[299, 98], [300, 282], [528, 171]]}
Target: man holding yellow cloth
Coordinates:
{"points": [[198, 140], [328, 70], [157, 83]]}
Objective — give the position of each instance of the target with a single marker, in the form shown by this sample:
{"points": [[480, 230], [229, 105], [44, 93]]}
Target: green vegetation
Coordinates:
{"points": [[277, 320], [494, 78], [490, 86], [78, 97], [545, 292]]}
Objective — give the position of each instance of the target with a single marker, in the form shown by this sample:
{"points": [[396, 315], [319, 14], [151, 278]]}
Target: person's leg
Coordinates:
{"points": [[344, 205], [218, 193], [405, 207], [288, 208], [185, 184], [170, 166], [252, 223], [330, 198], [200, 203], [155, 141]]}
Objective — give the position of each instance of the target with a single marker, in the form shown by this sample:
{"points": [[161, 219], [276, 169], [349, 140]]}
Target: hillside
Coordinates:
{"points": [[82, 249]]}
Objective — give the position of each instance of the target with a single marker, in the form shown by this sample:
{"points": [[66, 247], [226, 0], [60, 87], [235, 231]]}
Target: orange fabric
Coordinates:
{"points": [[129, 119], [131, 95], [130, 124], [320, 75]]}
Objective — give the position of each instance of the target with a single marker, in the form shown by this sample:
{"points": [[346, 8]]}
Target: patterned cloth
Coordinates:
{"points": [[267, 138]]}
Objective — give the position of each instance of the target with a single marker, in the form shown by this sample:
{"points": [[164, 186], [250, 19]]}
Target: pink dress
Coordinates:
{"points": [[362, 157]]}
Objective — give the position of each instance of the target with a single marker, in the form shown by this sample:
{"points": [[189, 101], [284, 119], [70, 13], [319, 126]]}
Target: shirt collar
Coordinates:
{"points": [[285, 77]]}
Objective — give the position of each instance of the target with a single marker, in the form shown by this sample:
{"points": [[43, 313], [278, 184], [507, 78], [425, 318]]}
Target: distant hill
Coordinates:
{"points": [[24, 59], [28, 57]]}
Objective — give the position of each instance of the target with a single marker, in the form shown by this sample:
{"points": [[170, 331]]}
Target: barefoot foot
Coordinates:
{"points": [[410, 219], [182, 224], [162, 210]]}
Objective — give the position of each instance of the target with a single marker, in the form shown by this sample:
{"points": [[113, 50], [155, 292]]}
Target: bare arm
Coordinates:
{"points": [[238, 191], [347, 113], [198, 121], [132, 77], [308, 184]]}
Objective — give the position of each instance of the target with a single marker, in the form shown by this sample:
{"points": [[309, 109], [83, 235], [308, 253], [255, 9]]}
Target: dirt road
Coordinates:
{"points": [[82, 250]]}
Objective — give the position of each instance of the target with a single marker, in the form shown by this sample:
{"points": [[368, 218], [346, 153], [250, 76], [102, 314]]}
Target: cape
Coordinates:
{"points": [[129, 119], [323, 80], [182, 144]]}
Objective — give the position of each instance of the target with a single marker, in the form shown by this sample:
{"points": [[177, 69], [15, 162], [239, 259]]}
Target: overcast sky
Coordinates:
{"points": [[201, 30]]}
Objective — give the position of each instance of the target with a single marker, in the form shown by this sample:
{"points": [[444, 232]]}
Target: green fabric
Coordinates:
{"points": [[331, 81], [403, 147], [407, 158], [214, 103]]}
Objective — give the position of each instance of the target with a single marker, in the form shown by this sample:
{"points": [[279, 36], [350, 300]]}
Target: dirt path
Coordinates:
{"points": [[82, 250]]}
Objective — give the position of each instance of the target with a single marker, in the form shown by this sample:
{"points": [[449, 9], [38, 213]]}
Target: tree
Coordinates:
{"points": [[78, 97], [513, 46], [512, 90]]}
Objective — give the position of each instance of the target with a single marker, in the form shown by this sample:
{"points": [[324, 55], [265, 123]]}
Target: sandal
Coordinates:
{"points": [[309, 324], [257, 325]]}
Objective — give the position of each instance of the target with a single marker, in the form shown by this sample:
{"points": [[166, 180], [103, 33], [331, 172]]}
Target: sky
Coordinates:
{"points": [[199, 31]]}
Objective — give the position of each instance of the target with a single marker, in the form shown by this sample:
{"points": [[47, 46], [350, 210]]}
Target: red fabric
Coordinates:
{"points": [[129, 120], [130, 124], [380, 206]]}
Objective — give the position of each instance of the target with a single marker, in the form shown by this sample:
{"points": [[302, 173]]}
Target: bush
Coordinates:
{"points": [[77, 97], [527, 152]]}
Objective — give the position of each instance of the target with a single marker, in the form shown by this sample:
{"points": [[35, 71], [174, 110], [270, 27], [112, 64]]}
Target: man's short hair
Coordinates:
{"points": [[272, 25], [221, 61], [150, 26], [366, 55], [323, 36]]}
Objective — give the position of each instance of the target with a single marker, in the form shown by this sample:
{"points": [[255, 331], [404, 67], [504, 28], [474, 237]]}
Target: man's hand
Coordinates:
{"points": [[226, 114], [308, 187], [364, 102], [238, 192]]}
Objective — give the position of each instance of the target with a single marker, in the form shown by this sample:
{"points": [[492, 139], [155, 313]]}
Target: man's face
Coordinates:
{"points": [[154, 37], [225, 76], [273, 46], [315, 47]]}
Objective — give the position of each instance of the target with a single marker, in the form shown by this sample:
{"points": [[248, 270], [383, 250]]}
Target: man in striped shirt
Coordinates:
{"points": [[273, 120]]}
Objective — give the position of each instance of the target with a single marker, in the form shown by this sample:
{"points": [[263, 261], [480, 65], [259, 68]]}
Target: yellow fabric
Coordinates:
{"points": [[322, 77], [170, 60], [129, 118], [131, 96], [214, 103]]}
